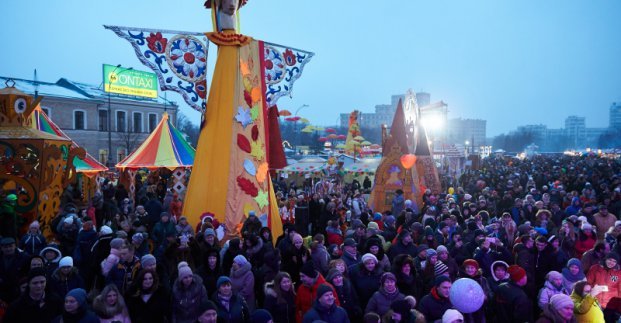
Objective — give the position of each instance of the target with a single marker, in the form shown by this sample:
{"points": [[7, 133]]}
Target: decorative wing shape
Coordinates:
{"points": [[283, 66], [178, 58]]}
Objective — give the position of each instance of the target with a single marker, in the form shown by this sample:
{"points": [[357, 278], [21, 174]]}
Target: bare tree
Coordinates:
{"points": [[128, 139]]}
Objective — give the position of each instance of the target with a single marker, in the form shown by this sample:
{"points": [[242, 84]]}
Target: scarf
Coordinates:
{"points": [[224, 300], [571, 277]]}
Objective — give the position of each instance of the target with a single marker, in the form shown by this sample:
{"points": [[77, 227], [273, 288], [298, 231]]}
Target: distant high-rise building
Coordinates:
{"points": [[615, 116], [471, 130], [575, 129], [423, 98]]}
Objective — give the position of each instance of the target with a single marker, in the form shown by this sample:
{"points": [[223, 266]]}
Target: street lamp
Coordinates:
{"points": [[110, 81], [295, 126], [466, 144]]}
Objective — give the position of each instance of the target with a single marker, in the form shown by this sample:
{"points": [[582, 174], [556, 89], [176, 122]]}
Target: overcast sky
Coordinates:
{"points": [[509, 62]]}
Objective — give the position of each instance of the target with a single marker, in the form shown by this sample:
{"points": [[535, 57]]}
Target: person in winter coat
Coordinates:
{"points": [[267, 272], [255, 250], [552, 286], [404, 245], [82, 255], [51, 256], [606, 274], [586, 240], [294, 257], [307, 292], [76, 309], [572, 274], [586, 306], [187, 295], [470, 269], [346, 294], [375, 247], [231, 249], [512, 303], [434, 304], [12, 263], [33, 241], [325, 307], [365, 278], [319, 254], [403, 269], [184, 228], [109, 306], [210, 271], [386, 295], [34, 305], [594, 256], [162, 229], [242, 280], [280, 298], [499, 275], [126, 270], [114, 256], [148, 301], [525, 258], [560, 310], [65, 278], [231, 307]]}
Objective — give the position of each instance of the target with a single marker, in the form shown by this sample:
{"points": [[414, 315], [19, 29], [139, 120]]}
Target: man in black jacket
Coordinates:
{"points": [[512, 303], [35, 305]]}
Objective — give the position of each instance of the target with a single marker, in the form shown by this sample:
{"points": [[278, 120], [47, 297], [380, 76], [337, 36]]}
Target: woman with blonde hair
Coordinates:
{"points": [[109, 306]]}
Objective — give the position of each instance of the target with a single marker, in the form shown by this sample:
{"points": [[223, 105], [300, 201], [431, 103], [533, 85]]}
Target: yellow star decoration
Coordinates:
{"points": [[261, 199], [257, 150]]}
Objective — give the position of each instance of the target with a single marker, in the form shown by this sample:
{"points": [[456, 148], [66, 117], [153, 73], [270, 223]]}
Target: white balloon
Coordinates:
{"points": [[466, 295]]}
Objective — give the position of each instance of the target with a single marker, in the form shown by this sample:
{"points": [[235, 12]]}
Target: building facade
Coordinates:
{"points": [[95, 119], [614, 122], [474, 131]]}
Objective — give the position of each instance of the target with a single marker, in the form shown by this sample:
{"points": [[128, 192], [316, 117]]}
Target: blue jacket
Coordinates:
{"points": [[32, 244], [332, 314]]}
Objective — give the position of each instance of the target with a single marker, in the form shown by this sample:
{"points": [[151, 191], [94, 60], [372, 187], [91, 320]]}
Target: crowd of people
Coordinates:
{"points": [[540, 237]]}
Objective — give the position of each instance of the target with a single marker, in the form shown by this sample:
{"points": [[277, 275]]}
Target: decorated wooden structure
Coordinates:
{"points": [[35, 165]]}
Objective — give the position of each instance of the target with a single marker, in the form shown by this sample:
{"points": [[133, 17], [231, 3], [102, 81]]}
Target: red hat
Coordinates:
{"points": [[516, 273], [471, 262]]}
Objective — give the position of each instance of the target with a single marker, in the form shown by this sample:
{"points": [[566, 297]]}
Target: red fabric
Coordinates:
{"points": [[247, 186], [583, 246], [598, 275], [276, 155], [334, 238], [306, 296]]}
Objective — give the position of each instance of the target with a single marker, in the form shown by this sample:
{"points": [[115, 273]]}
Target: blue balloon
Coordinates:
{"points": [[466, 295]]}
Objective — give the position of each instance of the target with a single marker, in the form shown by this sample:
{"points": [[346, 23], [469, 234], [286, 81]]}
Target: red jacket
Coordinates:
{"points": [[598, 275], [306, 296]]}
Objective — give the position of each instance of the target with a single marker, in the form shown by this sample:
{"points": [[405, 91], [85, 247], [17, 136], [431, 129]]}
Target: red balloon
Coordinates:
{"points": [[407, 161]]}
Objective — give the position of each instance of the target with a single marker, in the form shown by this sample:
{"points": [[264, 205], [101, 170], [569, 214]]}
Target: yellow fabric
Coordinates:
{"points": [[207, 188], [275, 220], [587, 309]]}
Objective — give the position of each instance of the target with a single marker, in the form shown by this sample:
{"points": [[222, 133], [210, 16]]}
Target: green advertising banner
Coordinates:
{"points": [[129, 81]]}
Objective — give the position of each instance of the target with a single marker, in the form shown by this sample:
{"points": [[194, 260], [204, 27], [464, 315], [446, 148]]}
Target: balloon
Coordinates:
{"points": [[408, 160], [466, 295], [451, 190]]}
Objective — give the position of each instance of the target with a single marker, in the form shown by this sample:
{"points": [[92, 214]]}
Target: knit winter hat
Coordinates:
{"points": [[574, 262], [552, 275], [559, 301], [79, 294], [309, 270], [387, 276], [369, 256], [440, 279], [373, 225], [391, 219], [184, 270], [516, 273], [65, 262], [105, 230], [441, 249], [117, 243], [587, 226], [138, 238], [333, 273], [240, 260], [206, 306], [451, 316], [210, 232], [147, 260], [261, 316], [440, 268], [222, 280], [322, 289], [471, 262], [430, 252]]}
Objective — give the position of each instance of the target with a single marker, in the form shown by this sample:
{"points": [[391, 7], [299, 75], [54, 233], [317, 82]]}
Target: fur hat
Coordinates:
{"points": [[332, 274], [516, 273]]}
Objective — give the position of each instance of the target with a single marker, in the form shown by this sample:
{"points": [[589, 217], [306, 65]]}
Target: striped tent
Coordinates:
{"points": [[165, 147], [88, 166]]}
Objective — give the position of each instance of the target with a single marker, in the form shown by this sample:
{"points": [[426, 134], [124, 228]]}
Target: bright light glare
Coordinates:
{"points": [[433, 122]]}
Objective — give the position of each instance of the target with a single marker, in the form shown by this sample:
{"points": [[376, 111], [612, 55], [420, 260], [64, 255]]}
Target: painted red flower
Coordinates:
{"points": [[201, 88], [289, 57], [157, 42]]}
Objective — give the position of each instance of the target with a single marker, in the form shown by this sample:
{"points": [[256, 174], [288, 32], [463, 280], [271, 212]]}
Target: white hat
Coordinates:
{"points": [[69, 220], [65, 262], [105, 230], [587, 226], [582, 219], [369, 256], [451, 315], [617, 223]]}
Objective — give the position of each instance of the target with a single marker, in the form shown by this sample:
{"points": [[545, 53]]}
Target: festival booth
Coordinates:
{"points": [[361, 169], [88, 168], [407, 163], [305, 168], [36, 166], [165, 154]]}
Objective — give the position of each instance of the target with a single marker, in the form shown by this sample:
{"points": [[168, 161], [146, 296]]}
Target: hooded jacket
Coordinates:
{"points": [[242, 281], [186, 301], [587, 309], [547, 291], [433, 306], [600, 275], [381, 300], [332, 314]]}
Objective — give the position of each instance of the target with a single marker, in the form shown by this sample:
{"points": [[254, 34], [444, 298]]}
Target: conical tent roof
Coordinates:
{"points": [[165, 147], [42, 122]]}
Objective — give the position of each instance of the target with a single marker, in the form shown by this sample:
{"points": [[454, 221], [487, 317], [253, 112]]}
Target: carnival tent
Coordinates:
{"points": [[164, 148], [363, 166], [89, 165]]}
